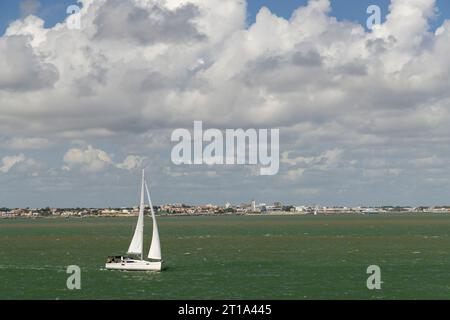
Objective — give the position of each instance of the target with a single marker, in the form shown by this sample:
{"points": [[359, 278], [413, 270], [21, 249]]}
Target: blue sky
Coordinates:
{"points": [[53, 11], [352, 10]]}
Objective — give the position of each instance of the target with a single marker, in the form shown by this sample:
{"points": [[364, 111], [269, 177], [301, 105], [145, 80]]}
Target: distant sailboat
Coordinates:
{"points": [[137, 243]]}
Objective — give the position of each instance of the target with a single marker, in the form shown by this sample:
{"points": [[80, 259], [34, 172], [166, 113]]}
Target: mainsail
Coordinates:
{"points": [[136, 246], [155, 247]]}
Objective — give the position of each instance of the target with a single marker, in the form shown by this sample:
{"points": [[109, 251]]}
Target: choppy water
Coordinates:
{"points": [[282, 257]]}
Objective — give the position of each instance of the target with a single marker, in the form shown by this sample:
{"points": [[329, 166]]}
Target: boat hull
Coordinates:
{"points": [[134, 265]]}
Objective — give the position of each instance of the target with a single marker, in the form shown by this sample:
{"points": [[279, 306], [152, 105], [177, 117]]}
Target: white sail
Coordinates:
{"points": [[155, 247], [137, 244]]}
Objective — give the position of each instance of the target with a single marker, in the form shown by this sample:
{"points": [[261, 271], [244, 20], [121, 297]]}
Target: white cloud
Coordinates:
{"points": [[294, 174], [311, 69], [26, 143], [23, 69], [88, 160], [10, 161], [123, 20], [323, 161], [131, 162]]}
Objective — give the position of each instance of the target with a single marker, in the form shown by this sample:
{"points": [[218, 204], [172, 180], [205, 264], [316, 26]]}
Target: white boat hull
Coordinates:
{"points": [[134, 265]]}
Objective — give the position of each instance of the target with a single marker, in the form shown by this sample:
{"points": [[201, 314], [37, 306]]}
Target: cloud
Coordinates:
{"points": [[9, 162], [26, 143], [88, 159], [131, 162], [22, 69], [309, 70], [294, 174], [326, 161], [323, 161], [429, 162], [152, 23]]}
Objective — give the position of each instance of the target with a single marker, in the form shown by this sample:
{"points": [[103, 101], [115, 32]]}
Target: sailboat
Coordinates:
{"points": [[136, 249]]}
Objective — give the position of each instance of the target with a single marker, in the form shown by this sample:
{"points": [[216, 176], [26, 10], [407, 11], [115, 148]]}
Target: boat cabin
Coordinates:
{"points": [[118, 259]]}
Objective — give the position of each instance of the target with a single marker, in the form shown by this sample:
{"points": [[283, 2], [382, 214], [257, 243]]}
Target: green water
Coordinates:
{"points": [[276, 257]]}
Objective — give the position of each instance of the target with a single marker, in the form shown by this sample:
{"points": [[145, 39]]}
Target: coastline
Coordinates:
{"points": [[212, 214]]}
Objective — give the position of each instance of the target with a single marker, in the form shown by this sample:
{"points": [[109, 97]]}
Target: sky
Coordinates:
{"points": [[54, 11], [363, 114]]}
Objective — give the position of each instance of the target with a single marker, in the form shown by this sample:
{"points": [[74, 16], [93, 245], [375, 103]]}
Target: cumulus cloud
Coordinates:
{"points": [[147, 24], [294, 174], [311, 69], [88, 159], [22, 69], [131, 162], [10, 161], [297, 166]]}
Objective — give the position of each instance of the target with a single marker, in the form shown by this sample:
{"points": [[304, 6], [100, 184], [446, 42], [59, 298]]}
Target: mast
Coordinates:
{"points": [[142, 209]]}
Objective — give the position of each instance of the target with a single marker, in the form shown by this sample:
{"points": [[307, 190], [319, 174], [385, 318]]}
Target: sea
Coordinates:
{"points": [[231, 257]]}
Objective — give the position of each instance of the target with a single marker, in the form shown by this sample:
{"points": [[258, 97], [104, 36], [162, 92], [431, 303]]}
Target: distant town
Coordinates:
{"points": [[251, 208]]}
